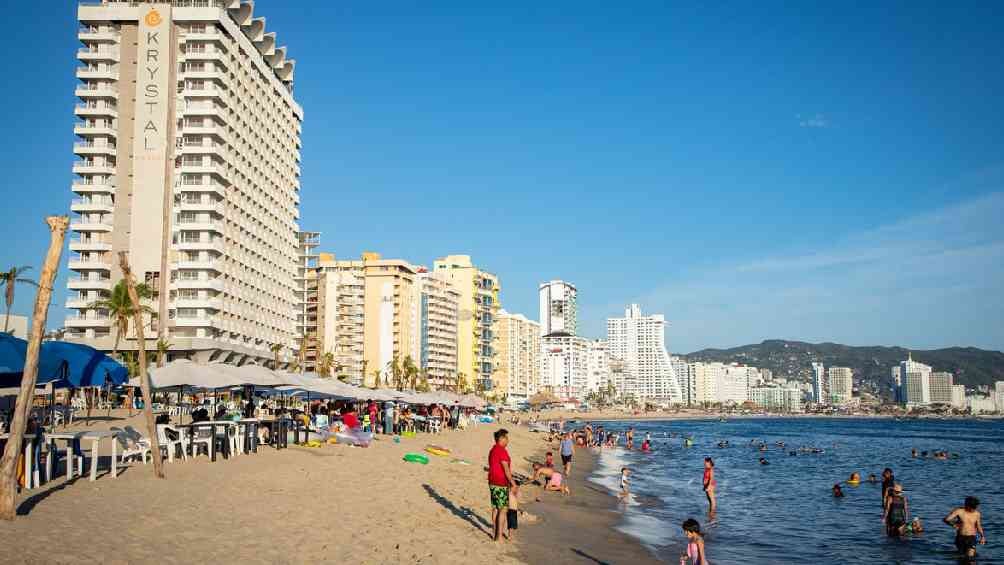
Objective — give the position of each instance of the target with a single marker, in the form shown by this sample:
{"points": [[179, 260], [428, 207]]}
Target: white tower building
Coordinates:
{"points": [[640, 341], [558, 308], [189, 160]]}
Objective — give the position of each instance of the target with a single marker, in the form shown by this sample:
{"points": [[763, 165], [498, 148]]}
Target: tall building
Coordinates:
{"points": [[479, 304], [640, 342], [916, 379], [564, 365], [840, 384], [819, 392], [306, 309], [734, 382], [518, 346], [369, 301], [558, 308], [597, 365], [438, 332], [704, 378], [189, 160], [897, 385], [941, 387], [999, 396], [958, 397], [780, 398], [682, 372]]}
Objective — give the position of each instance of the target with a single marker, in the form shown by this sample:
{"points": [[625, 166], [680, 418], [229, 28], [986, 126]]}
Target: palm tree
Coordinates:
{"points": [[275, 348], [120, 308], [325, 364], [409, 372], [9, 279], [163, 344]]}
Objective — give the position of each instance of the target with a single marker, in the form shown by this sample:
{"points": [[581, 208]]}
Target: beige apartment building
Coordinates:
{"points": [[439, 305], [479, 304], [367, 315], [189, 160], [840, 385], [517, 344], [941, 387]]}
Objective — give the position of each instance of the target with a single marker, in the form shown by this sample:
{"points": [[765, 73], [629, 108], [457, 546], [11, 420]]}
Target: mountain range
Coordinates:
{"points": [[971, 366]]}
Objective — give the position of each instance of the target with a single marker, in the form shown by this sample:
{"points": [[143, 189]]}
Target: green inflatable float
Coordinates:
{"points": [[416, 458]]}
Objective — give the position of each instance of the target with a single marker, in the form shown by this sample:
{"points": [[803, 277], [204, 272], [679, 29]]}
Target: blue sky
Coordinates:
{"points": [[818, 171]]}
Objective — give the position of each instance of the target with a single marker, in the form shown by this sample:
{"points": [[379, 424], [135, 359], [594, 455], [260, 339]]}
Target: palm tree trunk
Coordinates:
{"points": [[8, 465], [6, 318], [144, 379]]}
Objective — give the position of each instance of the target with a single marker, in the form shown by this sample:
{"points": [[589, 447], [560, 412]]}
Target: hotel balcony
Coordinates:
{"points": [[200, 206], [84, 205], [86, 54], [205, 322], [96, 91], [91, 225], [211, 303], [87, 186], [79, 283], [198, 245], [209, 129], [92, 110], [192, 54], [213, 169], [80, 265], [216, 188], [87, 130], [91, 148], [212, 265], [217, 93], [78, 245], [106, 74], [93, 168], [94, 35], [86, 322], [79, 303], [214, 284]]}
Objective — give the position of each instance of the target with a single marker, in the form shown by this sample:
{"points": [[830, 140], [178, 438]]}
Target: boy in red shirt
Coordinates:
{"points": [[499, 480]]}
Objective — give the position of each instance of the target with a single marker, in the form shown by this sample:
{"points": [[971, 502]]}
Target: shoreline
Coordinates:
{"points": [[579, 528], [609, 416]]}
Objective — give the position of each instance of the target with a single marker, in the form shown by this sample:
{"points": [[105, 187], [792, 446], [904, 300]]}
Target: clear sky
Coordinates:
{"points": [[752, 170]]}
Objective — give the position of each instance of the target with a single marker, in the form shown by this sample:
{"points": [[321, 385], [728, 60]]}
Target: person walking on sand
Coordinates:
{"points": [[968, 524], [710, 484], [567, 449], [625, 484], [499, 481], [695, 544]]}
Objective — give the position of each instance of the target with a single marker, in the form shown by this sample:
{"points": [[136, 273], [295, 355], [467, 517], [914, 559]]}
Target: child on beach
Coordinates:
{"points": [[695, 544], [512, 515], [625, 483]]}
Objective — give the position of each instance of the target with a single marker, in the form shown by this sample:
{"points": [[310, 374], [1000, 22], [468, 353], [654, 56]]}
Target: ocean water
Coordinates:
{"points": [[784, 512]]}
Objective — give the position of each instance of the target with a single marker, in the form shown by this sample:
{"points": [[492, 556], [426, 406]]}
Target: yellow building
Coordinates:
{"points": [[517, 342], [478, 305], [367, 315]]}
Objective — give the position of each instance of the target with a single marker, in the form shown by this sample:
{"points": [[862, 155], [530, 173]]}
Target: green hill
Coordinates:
{"points": [[971, 366]]}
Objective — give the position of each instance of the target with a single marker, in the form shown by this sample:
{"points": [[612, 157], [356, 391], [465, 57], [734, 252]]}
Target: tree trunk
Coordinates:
{"points": [[6, 319], [144, 379], [8, 466]]}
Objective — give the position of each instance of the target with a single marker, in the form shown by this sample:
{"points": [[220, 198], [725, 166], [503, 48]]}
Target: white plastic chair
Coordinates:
{"points": [[169, 444], [132, 447], [434, 425], [202, 436]]}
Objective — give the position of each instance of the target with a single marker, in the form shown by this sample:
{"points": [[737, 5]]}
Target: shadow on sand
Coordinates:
{"points": [[460, 511]]}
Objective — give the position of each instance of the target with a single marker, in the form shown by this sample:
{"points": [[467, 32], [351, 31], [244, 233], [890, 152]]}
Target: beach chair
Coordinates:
{"points": [[171, 445], [203, 436], [434, 425], [132, 445]]}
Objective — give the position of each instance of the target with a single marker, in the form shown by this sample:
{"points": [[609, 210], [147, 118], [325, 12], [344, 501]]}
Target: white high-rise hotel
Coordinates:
{"points": [[189, 152], [640, 341], [558, 308]]}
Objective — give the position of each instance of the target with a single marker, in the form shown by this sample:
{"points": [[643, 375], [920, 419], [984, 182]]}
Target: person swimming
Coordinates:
{"points": [[854, 479], [872, 478], [837, 491], [763, 461]]}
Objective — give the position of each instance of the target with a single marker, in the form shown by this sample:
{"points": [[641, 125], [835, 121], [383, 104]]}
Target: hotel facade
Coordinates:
{"points": [[188, 145], [478, 306]]}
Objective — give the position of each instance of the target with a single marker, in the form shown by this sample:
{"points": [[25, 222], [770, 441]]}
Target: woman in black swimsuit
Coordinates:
{"points": [[897, 512]]}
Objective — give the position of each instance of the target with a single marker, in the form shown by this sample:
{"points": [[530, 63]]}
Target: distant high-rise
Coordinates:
{"points": [[558, 308], [840, 384], [517, 342], [439, 304], [189, 161], [916, 378], [941, 388], [640, 341], [819, 392], [477, 308]]}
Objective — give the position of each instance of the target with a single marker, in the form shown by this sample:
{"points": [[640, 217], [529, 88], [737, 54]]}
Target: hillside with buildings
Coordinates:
{"points": [[971, 366]]}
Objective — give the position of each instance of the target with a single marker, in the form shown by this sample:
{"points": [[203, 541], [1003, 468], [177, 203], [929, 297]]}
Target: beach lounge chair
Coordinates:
{"points": [[171, 445], [132, 444]]}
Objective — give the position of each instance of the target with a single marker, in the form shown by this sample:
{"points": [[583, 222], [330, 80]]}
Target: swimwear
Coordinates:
{"points": [[709, 479], [499, 496], [556, 479], [566, 459], [964, 543], [897, 516], [512, 519], [694, 554]]}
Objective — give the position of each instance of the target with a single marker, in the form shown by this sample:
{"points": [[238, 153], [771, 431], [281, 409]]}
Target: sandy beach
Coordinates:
{"points": [[335, 503]]}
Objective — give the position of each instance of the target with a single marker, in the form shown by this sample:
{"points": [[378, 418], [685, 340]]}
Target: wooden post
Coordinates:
{"points": [[144, 379], [8, 466]]}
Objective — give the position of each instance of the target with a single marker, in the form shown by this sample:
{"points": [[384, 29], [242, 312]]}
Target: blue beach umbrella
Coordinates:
{"points": [[69, 364]]}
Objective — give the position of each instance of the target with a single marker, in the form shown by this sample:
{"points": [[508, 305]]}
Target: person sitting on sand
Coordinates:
{"points": [[554, 480], [837, 491], [695, 544]]}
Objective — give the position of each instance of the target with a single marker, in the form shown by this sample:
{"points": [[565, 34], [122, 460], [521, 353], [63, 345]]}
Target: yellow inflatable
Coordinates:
{"points": [[436, 450]]}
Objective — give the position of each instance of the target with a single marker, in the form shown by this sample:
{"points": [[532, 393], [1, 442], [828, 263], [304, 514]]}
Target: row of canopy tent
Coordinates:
{"points": [[183, 373], [62, 364]]}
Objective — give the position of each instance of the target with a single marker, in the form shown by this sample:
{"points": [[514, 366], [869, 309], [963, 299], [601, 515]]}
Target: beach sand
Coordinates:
{"points": [[334, 503]]}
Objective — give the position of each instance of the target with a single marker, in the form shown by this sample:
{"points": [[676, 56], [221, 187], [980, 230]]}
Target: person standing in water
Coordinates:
{"points": [[888, 481], [695, 544], [710, 484], [897, 512], [968, 524], [630, 438]]}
